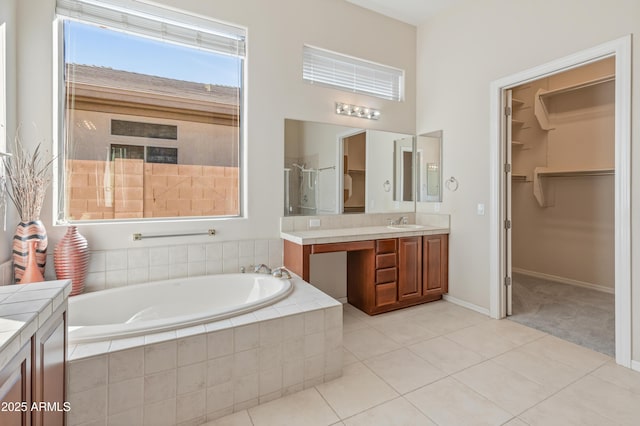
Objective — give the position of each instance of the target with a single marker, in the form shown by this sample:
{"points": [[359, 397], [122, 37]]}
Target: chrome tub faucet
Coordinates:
{"points": [[262, 269], [281, 272]]}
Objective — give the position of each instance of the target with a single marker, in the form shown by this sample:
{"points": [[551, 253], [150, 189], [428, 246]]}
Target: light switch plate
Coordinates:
{"points": [[480, 209], [314, 223]]}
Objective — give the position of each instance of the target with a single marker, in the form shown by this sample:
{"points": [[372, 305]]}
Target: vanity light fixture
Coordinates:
{"points": [[357, 111]]}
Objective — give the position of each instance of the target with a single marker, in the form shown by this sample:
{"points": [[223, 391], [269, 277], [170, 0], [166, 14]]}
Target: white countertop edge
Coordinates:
{"points": [[343, 235], [11, 345]]}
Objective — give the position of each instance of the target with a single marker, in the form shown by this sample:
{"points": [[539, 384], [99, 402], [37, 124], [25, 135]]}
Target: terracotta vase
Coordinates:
{"points": [[31, 273], [25, 232], [71, 259]]}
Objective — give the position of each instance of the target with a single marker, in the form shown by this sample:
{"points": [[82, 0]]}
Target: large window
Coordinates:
{"points": [[151, 113]]}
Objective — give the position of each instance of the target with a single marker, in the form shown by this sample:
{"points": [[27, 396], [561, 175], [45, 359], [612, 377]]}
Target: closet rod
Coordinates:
{"points": [[578, 86], [575, 173]]}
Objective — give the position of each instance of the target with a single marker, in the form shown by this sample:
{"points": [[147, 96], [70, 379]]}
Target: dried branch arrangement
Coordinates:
{"points": [[27, 179]]}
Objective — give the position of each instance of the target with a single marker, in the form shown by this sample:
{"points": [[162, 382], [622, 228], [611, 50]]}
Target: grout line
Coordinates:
{"points": [[327, 402], [250, 418]]}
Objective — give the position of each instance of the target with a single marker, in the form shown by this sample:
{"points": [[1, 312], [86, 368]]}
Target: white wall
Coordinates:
{"points": [[8, 17], [277, 31], [460, 52]]}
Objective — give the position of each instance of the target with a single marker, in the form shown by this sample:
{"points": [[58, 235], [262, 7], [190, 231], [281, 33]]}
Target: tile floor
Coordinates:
{"points": [[440, 364]]}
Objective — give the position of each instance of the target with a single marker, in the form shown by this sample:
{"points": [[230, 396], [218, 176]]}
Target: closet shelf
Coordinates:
{"points": [[517, 144], [582, 85], [542, 97], [517, 102], [544, 172], [518, 178]]}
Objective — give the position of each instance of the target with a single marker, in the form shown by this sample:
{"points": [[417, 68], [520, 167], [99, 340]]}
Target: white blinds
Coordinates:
{"points": [[352, 74], [157, 22]]}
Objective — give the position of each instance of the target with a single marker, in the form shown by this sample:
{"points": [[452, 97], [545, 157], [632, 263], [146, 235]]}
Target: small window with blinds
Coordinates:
{"points": [[351, 74], [165, 88]]}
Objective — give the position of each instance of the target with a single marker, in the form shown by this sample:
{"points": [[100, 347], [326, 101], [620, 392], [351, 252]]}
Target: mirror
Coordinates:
{"points": [[331, 169], [403, 166], [428, 176]]}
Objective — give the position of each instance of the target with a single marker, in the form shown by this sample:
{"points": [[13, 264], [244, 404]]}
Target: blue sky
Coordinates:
{"points": [[90, 45]]}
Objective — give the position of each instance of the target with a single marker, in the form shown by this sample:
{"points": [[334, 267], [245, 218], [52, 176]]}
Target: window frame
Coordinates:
{"points": [[60, 117], [3, 89]]}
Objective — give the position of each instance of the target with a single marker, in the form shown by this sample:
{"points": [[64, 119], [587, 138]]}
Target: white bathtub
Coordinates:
{"points": [[166, 305]]}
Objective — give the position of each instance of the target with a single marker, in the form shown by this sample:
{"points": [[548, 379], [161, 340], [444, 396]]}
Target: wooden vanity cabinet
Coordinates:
{"points": [[386, 274], [50, 370], [419, 275], [15, 389], [408, 271], [435, 270], [410, 268], [386, 285], [36, 377]]}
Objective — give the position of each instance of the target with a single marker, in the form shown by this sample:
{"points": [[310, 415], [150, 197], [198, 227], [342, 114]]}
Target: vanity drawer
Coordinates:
{"points": [[386, 294], [386, 275], [385, 260], [386, 246]]}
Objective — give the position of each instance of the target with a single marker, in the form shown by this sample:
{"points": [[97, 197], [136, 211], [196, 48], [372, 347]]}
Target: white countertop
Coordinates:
{"points": [[342, 235], [24, 308]]}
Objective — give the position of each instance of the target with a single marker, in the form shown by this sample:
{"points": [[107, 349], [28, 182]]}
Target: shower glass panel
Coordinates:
{"points": [[301, 190]]}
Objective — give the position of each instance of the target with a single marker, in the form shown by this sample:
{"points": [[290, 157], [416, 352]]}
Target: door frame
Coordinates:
{"points": [[621, 49], [340, 137]]}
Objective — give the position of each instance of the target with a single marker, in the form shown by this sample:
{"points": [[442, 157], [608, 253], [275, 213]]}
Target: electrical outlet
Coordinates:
{"points": [[480, 209], [314, 223]]}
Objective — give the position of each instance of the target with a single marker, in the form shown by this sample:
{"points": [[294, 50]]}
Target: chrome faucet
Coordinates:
{"points": [[402, 220], [281, 272], [262, 269]]}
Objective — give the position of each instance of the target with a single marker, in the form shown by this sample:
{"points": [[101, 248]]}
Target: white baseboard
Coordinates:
{"points": [[467, 305], [564, 280], [635, 365]]}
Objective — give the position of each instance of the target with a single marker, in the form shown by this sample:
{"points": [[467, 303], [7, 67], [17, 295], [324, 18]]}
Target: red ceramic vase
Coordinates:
{"points": [[71, 259], [32, 273]]}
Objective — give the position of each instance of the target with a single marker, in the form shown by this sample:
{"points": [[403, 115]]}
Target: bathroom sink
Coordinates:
{"points": [[405, 226]]}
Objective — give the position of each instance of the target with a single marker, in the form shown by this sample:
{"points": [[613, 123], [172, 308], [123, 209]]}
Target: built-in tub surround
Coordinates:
{"points": [[197, 374]]}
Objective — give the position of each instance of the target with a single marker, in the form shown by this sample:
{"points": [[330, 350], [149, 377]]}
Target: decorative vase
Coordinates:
{"points": [[71, 259], [31, 273], [25, 232]]}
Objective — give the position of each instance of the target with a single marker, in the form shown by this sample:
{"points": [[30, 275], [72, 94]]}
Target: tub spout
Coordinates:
{"points": [[262, 269], [281, 272]]}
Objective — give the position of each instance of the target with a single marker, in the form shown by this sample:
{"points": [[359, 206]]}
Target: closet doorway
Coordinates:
{"points": [[554, 180], [562, 149]]}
